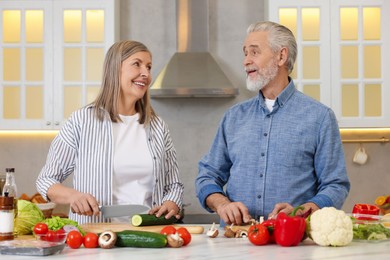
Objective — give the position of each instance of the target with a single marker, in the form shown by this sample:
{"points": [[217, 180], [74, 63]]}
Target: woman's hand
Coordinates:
{"points": [[168, 208], [80, 203], [84, 204]]}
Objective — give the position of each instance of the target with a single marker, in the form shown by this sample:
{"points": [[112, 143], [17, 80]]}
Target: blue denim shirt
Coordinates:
{"points": [[293, 154]]}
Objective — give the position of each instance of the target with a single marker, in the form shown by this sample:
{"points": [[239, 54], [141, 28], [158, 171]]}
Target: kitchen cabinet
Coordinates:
{"points": [[343, 50], [51, 58]]}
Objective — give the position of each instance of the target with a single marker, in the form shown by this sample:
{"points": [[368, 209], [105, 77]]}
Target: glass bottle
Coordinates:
{"points": [[6, 218], [9, 189]]}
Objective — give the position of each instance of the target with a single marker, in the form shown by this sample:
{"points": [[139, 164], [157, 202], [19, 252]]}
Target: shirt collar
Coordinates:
{"points": [[283, 97]]}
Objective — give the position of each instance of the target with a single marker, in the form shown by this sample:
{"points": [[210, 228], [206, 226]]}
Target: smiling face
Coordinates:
{"points": [[135, 76], [261, 64]]}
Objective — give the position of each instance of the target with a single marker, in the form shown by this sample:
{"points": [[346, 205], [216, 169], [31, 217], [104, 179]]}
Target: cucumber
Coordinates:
{"points": [[151, 220], [136, 238]]}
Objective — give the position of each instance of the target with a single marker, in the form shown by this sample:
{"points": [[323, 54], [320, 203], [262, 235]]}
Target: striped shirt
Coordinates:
{"points": [[85, 147]]}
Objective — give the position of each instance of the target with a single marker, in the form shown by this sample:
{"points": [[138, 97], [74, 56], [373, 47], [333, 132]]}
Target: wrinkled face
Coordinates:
{"points": [[260, 62], [135, 75]]}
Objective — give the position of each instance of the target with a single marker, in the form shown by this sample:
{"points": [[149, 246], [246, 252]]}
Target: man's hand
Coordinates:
{"points": [[287, 208], [230, 212]]}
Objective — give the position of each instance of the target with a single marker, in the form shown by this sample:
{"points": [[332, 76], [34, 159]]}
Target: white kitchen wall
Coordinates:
{"points": [[193, 122]]}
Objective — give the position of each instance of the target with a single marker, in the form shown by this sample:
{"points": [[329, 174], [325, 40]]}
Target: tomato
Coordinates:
{"points": [[74, 239], [41, 229], [387, 199], [61, 235], [258, 234], [91, 240], [270, 225], [168, 230], [185, 235], [51, 236]]}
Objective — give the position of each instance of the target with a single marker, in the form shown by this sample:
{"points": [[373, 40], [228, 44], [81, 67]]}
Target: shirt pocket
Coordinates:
{"points": [[295, 150]]}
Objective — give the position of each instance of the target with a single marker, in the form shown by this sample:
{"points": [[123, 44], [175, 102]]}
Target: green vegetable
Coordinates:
{"points": [[28, 215], [151, 220], [136, 238], [56, 223], [370, 232]]}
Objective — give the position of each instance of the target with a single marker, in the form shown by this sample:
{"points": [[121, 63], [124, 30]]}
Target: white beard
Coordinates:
{"points": [[264, 76]]}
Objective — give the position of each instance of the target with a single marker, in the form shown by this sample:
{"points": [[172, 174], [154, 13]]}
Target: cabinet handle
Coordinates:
{"points": [[48, 123], [57, 123]]}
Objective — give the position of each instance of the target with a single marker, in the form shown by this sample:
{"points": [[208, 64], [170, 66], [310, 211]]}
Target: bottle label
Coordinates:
{"points": [[6, 221]]}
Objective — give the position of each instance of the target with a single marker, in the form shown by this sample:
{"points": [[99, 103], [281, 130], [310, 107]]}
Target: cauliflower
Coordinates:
{"points": [[330, 227]]}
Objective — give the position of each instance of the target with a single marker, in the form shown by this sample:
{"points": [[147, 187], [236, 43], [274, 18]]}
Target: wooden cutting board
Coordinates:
{"points": [[100, 227]]}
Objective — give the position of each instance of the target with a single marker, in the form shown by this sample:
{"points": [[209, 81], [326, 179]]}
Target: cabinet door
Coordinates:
{"points": [[353, 48], [25, 64], [360, 53], [84, 32], [52, 54]]}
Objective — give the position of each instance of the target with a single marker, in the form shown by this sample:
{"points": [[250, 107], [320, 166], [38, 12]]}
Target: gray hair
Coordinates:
{"points": [[279, 37]]}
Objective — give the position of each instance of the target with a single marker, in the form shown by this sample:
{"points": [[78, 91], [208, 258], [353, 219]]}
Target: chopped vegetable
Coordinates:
{"points": [[330, 227], [174, 240], [229, 233], [366, 209], [289, 229], [28, 215], [370, 232], [213, 231], [55, 223]]}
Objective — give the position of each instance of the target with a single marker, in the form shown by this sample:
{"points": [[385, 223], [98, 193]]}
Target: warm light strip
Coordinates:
{"points": [[13, 133], [365, 135]]}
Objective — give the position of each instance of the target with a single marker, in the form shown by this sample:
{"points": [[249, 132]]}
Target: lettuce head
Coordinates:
{"points": [[28, 215]]}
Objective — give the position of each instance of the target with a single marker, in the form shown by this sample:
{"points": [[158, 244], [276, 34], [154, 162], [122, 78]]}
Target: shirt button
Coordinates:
{"points": [[262, 154], [265, 134], [261, 175], [259, 196]]}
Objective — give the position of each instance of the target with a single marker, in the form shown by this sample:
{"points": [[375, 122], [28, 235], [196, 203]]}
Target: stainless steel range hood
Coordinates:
{"points": [[192, 71]]}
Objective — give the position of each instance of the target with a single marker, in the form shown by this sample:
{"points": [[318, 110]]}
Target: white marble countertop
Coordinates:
{"points": [[203, 247]]}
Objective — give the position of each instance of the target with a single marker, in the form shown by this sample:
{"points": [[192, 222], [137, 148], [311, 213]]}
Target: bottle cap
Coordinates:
{"points": [[6, 203], [10, 169]]}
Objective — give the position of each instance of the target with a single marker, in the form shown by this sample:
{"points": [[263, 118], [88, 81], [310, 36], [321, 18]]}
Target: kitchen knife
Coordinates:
{"points": [[110, 211]]}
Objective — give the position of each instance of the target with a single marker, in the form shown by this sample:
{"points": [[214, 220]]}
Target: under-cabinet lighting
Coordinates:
{"points": [[29, 133]]}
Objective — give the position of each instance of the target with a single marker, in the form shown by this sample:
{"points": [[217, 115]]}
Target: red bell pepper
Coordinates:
{"points": [[366, 209], [289, 229]]}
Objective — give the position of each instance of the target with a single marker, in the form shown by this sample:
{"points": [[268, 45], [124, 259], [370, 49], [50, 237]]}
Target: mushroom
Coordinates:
{"points": [[241, 233], [213, 232], [174, 240], [229, 232], [107, 239]]}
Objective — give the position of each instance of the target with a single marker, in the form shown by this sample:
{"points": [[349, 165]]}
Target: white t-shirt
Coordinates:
{"points": [[270, 103], [133, 165]]}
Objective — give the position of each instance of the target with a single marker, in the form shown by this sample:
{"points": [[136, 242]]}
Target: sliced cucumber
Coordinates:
{"points": [[151, 220], [135, 238]]}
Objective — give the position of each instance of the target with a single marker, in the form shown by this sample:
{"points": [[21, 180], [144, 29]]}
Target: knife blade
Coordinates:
{"points": [[110, 211]]}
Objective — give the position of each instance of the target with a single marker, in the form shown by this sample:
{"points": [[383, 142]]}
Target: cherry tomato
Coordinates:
{"points": [[50, 236], [168, 230], [91, 240], [258, 234], [185, 235], [40, 229], [61, 235], [74, 239]]}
